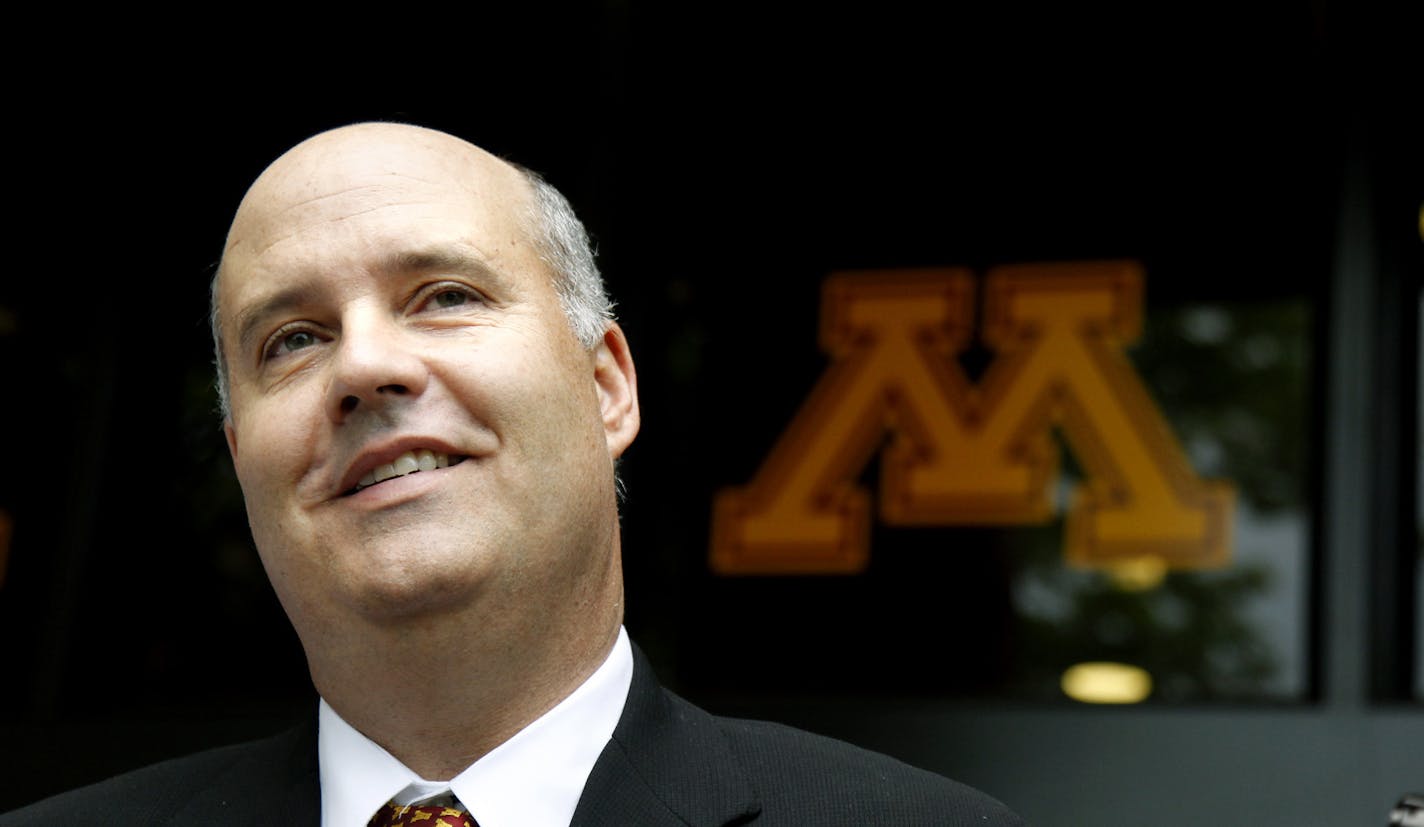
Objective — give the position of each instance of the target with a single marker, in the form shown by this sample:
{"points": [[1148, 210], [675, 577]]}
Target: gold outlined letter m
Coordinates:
{"points": [[957, 453]]}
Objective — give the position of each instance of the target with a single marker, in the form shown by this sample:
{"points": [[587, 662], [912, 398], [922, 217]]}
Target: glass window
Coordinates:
{"points": [[1419, 511], [1160, 545], [1233, 381]]}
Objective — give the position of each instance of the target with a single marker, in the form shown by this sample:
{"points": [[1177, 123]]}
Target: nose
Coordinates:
{"points": [[375, 367]]}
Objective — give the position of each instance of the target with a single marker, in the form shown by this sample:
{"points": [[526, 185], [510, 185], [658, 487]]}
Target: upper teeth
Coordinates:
{"points": [[407, 463]]}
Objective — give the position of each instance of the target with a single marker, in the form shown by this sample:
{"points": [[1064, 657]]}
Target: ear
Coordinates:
{"points": [[617, 390], [231, 439]]}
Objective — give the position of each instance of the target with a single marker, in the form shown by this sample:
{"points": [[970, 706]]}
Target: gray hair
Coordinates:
{"points": [[562, 244], [564, 247]]}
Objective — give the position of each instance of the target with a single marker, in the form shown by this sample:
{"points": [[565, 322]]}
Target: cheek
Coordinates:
{"points": [[268, 462], [557, 401], [267, 449]]}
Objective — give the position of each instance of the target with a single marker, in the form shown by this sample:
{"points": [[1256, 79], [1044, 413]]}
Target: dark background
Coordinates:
{"points": [[725, 163]]}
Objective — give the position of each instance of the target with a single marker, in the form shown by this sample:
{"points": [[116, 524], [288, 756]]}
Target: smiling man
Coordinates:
{"points": [[424, 397]]}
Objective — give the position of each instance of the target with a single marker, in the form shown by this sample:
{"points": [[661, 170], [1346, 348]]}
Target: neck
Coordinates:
{"points": [[439, 693]]}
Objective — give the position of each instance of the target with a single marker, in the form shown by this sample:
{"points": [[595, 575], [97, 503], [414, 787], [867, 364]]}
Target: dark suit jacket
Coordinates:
{"points": [[668, 763]]}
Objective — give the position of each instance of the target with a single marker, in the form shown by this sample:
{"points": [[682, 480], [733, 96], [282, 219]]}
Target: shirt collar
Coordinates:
{"points": [[535, 778]]}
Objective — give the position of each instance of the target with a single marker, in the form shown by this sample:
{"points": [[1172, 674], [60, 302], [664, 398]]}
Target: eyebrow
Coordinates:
{"points": [[450, 257], [250, 318], [453, 257]]}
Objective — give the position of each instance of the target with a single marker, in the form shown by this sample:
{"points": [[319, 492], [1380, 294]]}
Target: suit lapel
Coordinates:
{"points": [[274, 782], [667, 764]]}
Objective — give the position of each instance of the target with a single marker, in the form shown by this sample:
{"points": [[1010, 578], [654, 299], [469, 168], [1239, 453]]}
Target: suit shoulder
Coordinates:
{"points": [[798, 773], [155, 793]]}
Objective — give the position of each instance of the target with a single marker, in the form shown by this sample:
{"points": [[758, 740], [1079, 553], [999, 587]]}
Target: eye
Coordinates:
{"points": [[450, 298], [296, 340], [286, 341], [446, 295]]}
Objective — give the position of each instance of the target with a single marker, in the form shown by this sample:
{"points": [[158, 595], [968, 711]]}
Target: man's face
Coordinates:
{"points": [[383, 309]]}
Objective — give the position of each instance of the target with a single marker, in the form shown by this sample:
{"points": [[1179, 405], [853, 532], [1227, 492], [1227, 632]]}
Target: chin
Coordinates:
{"points": [[400, 586], [407, 599]]}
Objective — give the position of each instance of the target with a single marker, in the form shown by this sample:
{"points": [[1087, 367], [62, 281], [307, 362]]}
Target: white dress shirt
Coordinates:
{"points": [[532, 780]]}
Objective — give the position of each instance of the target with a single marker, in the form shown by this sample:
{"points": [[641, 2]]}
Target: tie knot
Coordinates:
{"points": [[421, 815]]}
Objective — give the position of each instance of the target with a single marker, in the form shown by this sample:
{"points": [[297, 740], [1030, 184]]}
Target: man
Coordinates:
{"points": [[424, 398]]}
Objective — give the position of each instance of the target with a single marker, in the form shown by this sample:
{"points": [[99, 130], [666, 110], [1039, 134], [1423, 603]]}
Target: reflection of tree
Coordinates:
{"points": [[1189, 633], [215, 507], [1232, 381], [242, 626]]}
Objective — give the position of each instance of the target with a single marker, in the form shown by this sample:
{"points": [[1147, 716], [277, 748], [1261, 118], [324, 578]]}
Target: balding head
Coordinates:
{"points": [[368, 153], [426, 445]]}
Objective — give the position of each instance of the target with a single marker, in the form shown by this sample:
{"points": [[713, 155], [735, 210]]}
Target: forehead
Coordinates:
{"points": [[369, 191]]}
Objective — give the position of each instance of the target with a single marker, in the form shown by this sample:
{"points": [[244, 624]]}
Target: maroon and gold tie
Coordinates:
{"points": [[423, 815]]}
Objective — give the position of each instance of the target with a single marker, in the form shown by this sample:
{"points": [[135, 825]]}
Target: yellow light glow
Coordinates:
{"points": [[1139, 574], [1101, 682]]}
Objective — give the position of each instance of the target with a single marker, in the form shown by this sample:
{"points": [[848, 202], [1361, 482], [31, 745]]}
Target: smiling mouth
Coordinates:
{"points": [[410, 462]]}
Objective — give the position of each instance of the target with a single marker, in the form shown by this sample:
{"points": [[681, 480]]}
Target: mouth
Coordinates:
{"points": [[411, 462]]}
